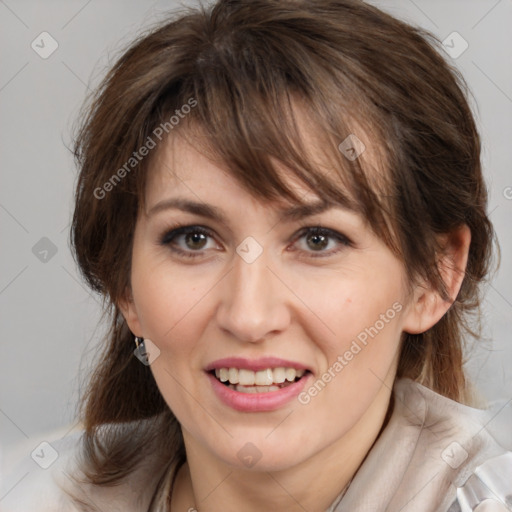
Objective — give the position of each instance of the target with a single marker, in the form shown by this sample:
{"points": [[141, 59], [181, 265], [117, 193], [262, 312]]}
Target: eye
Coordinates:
{"points": [[318, 239], [187, 240], [192, 241]]}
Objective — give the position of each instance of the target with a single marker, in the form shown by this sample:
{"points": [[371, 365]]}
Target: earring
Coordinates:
{"points": [[140, 351]]}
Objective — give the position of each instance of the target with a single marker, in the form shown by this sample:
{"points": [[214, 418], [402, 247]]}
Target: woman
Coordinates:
{"points": [[283, 204]]}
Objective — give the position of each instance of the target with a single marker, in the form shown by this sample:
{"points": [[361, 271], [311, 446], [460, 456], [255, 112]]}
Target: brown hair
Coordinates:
{"points": [[243, 67]]}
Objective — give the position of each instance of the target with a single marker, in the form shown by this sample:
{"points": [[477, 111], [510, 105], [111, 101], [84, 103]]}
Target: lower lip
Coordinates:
{"points": [[257, 402]]}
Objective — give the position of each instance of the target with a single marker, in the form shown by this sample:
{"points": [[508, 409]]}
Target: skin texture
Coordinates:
{"points": [[288, 304]]}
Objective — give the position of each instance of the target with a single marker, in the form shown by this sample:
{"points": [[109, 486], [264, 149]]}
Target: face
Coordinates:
{"points": [[301, 318]]}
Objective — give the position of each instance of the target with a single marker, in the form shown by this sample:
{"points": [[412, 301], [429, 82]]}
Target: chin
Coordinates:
{"points": [[255, 453]]}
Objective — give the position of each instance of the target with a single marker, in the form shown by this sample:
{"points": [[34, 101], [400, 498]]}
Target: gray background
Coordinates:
{"points": [[49, 320]]}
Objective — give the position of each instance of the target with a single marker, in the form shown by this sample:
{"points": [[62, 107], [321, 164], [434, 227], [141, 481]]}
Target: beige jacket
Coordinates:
{"points": [[423, 461]]}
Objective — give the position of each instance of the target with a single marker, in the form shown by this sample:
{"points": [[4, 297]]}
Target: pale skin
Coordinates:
{"points": [[286, 304]]}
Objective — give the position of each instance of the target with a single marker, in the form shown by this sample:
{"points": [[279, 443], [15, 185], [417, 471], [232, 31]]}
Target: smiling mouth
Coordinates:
{"points": [[261, 381]]}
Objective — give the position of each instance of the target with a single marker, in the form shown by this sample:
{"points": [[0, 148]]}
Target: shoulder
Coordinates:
{"points": [[490, 484], [474, 465], [426, 455], [40, 477], [33, 475]]}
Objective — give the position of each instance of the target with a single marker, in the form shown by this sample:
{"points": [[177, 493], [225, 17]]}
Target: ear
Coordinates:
{"points": [[129, 312], [427, 306]]}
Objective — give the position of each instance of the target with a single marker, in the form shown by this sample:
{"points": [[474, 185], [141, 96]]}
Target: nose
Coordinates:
{"points": [[254, 302]]}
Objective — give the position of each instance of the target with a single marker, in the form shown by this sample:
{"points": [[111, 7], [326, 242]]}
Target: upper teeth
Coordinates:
{"points": [[265, 377]]}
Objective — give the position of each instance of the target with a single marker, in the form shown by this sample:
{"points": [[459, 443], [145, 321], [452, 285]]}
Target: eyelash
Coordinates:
{"points": [[172, 233]]}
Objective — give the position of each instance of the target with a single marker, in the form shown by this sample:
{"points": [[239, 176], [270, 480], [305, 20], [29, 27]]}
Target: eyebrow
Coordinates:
{"points": [[294, 213]]}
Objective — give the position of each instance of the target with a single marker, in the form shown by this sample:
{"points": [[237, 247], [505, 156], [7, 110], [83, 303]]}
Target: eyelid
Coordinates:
{"points": [[328, 231], [182, 229], [304, 228], [342, 240]]}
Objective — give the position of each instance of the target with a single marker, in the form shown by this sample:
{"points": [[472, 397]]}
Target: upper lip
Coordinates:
{"points": [[255, 364]]}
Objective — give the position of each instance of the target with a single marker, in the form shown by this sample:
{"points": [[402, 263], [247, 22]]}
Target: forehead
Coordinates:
{"points": [[182, 161], [183, 177], [192, 153], [267, 164], [262, 179]]}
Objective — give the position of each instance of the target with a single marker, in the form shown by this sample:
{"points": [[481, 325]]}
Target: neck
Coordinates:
{"points": [[208, 484]]}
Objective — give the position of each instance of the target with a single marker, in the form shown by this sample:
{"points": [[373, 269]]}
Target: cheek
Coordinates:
{"points": [[337, 315], [358, 305], [361, 354], [169, 301], [358, 359]]}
